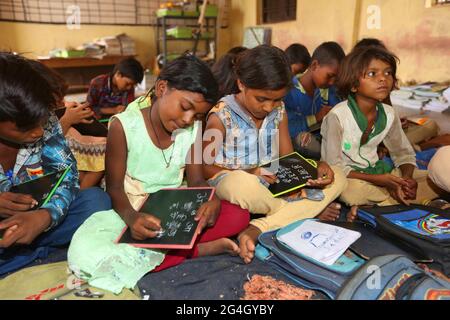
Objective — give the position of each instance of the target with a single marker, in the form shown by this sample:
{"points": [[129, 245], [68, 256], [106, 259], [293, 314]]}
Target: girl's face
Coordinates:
{"points": [[259, 103], [178, 109], [377, 81], [11, 133]]}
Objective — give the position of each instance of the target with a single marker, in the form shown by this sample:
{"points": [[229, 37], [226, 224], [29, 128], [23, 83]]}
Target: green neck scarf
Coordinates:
{"points": [[361, 120], [380, 167]]}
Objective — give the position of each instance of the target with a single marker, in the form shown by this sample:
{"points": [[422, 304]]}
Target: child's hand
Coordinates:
{"points": [[322, 113], [265, 174], [390, 181], [77, 113], [13, 203], [395, 186], [207, 214], [398, 194], [411, 189], [144, 225], [24, 227], [325, 176]]}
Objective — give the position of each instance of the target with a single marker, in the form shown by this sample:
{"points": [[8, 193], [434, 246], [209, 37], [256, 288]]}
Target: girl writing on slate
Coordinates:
{"points": [[354, 128], [249, 122], [146, 152]]}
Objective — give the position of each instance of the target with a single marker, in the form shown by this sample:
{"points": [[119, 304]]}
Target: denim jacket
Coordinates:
{"points": [[245, 146]]}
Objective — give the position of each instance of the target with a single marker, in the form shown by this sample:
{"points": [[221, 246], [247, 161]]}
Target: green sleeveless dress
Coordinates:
{"points": [[93, 254]]}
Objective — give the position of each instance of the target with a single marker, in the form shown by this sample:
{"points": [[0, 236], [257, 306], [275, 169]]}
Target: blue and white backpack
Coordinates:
{"points": [[303, 270], [391, 277], [394, 277]]}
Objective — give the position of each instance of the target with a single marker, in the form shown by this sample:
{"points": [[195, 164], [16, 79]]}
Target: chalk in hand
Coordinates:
{"points": [[160, 233]]}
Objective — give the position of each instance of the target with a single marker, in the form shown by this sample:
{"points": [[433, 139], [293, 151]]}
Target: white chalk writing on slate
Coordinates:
{"points": [[292, 174], [188, 227], [188, 206], [179, 214]]}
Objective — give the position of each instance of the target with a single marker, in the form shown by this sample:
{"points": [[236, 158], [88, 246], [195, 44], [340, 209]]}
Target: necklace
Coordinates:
{"points": [[159, 143]]}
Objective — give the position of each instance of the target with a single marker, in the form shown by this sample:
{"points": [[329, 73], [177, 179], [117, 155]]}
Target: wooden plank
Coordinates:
{"points": [[356, 22], [57, 63]]}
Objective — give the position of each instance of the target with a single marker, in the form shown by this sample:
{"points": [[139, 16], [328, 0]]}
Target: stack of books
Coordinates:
{"points": [[428, 96], [127, 44]]}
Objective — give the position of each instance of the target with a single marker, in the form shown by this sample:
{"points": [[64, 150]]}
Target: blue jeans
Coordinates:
{"points": [[86, 203]]}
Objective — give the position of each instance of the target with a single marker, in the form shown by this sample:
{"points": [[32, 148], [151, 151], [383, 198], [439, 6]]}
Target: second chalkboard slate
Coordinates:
{"points": [[176, 208], [293, 172], [41, 188]]}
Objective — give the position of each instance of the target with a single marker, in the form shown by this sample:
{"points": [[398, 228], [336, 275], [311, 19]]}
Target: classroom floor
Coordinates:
{"points": [[219, 277]]}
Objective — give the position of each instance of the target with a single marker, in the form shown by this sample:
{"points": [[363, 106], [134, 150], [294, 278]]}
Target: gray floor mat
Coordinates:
{"points": [[206, 278]]}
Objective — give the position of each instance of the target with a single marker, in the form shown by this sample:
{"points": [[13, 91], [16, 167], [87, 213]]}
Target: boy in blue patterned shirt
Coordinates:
{"points": [[31, 145], [312, 97]]}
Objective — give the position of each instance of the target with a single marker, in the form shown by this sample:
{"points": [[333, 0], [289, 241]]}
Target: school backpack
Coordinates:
{"points": [[394, 277], [302, 270], [418, 229]]}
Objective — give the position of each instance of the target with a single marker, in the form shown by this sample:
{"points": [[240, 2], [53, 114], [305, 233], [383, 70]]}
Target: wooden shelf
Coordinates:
{"points": [[78, 72], [186, 39], [162, 39], [183, 17], [57, 63]]}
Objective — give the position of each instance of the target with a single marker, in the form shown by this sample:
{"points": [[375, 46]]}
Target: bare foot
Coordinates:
{"points": [[352, 214], [247, 242], [219, 246], [331, 213]]}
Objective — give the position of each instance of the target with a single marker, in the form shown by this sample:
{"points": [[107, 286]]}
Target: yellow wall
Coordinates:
{"points": [[316, 16], [38, 39], [317, 21], [419, 36], [243, 14]]}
